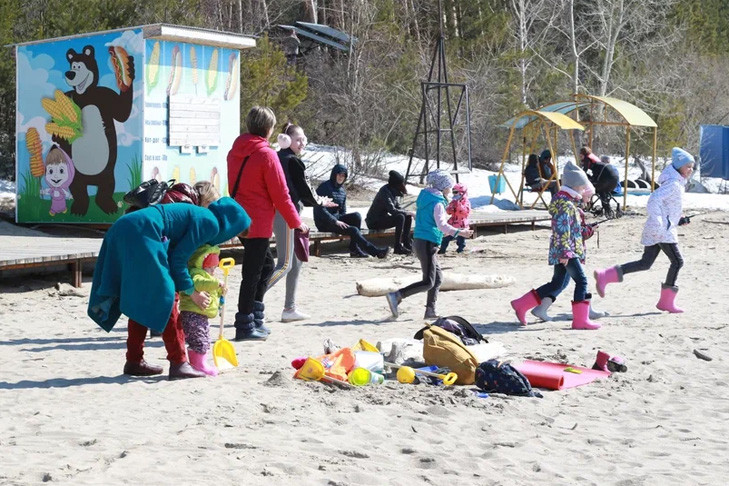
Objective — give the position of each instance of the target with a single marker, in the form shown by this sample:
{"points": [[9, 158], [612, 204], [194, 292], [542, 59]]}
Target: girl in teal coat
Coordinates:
{"points": [[143, 260]]}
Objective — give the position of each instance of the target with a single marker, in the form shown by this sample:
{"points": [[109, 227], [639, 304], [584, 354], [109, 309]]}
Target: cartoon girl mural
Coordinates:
{"points": [[59, 175]]}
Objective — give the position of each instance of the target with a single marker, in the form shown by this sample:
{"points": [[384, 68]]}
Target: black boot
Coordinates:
{"points": [[259, 318], [245, 329], [180, 371], [401, 250]]}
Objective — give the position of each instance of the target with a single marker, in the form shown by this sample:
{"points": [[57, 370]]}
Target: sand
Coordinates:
{"points": [[70, 417]]}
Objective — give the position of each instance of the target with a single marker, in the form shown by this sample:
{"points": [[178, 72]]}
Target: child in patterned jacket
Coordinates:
{"points": [[567, 250], [460, 209]]}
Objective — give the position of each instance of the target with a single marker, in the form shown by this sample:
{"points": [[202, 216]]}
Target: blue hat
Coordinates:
{"points": [[681, 158]]}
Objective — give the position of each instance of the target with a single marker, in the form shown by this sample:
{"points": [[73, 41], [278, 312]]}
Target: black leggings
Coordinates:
{"points": [[650, 253], [257, 269], [401, 222], [356, 240]]}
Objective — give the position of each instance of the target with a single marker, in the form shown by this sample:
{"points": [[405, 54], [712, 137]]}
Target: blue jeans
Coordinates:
{"points": [[460, 241], [561, 278]]}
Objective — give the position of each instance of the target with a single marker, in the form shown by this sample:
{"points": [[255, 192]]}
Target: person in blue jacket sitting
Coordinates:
{"points": [[337, 220]]}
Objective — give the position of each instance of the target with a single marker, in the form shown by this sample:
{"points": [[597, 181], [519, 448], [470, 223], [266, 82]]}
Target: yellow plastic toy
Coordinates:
{"points": [[223, 351]]}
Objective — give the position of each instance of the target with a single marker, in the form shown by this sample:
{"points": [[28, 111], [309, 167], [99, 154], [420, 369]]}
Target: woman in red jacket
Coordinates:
{"points": [[259, 185]]}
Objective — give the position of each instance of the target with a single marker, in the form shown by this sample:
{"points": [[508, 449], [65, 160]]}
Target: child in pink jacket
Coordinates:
{"points": [[460, 210]]}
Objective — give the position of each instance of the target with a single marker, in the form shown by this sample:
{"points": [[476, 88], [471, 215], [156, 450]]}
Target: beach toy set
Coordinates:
{"points": [[360, 365]]}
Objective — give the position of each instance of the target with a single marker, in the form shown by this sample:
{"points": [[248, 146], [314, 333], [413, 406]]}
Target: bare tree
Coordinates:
{"points": [[534, 20]]}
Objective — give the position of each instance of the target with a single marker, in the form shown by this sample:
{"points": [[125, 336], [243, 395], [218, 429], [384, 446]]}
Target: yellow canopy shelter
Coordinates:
{"points": [[625, 114], [533, 123]]}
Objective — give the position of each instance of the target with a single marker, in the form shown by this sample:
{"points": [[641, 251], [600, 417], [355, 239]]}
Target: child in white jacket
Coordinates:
{"points": [[660, 232]]}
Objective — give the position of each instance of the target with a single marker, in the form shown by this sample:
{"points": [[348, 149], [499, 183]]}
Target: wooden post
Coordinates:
{"points": [[501, 169], [627, 154], [653, 169]]}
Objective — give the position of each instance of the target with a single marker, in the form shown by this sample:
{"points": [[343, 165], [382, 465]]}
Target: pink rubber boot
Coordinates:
{"points": [[604, 277], [601, 361], [200, 363], [523, 304], [581, 317], [668, 299]]}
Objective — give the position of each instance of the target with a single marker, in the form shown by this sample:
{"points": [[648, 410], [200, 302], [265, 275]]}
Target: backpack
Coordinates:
{"points": [[458, 326], [148, 193], [500, 377], [445, 349]]}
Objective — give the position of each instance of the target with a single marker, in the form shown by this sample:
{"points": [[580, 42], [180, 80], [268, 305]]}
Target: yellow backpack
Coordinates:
{"points": [[445, 349]]}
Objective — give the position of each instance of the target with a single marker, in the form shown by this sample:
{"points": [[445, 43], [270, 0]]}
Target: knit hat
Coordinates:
{"points": [[546, 154], [460, 187], [440, 180], [211, 260], [397, 181], [573, 176], [681, 158]]}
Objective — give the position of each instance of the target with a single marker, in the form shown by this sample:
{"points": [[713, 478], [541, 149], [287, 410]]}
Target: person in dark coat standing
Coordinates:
{"points": [[385, 212], [337, 220], [292, 142]]}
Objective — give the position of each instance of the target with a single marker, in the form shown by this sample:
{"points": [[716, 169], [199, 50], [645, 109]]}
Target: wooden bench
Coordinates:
{"points": [[484, 221]]}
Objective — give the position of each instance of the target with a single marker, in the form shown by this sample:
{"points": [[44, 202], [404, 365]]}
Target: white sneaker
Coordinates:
{"points": [[291, 315]]}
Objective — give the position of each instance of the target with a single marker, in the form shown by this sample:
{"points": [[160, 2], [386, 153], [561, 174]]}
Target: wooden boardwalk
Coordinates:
{"points": [[26, 248]]}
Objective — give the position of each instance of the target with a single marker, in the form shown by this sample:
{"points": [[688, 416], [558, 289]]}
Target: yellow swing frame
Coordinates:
{"points": [[533, 123]]}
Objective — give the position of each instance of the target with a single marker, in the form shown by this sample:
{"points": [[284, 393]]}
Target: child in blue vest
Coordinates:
{"points": [[431, 223]]}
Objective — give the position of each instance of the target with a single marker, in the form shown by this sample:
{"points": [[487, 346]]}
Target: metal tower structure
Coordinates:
{"points": [[435, 91]]}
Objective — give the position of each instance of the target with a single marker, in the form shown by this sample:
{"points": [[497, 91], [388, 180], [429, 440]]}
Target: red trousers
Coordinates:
{"points": [[173, 337]]}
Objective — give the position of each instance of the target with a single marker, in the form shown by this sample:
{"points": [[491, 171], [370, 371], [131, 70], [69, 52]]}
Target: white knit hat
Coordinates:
{"points": [[573, 176], [440, 180]]}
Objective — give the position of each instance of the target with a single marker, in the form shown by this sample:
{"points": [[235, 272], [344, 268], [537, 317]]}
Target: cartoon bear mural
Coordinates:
{"points": [[94, 152]]}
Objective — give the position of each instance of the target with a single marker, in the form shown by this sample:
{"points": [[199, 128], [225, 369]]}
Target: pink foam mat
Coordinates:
{"points": [[544, 374]]}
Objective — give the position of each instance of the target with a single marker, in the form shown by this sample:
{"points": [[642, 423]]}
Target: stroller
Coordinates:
{"points": [[605, 178]]}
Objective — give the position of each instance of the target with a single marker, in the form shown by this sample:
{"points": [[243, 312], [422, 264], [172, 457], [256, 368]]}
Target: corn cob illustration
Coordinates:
{"points": [[231, 83], [35, 149], [212, 76], [60, 131], [193, 66], [193, 178], [176, 173], [65, 116], [153, 67], [215, 178], [175, 71]]}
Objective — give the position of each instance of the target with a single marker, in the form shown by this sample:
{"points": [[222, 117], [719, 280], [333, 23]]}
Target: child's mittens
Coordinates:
{"points": [[587, 232]]}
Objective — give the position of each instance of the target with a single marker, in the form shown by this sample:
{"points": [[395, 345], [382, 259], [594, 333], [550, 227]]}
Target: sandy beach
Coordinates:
{"points": [[69, 416]]}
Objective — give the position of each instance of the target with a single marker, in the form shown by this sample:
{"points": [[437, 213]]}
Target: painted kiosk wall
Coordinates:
{"points": [[99, 113]]}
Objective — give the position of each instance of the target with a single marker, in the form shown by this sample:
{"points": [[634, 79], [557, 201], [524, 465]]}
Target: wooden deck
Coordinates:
{"points": [[26, 248]]}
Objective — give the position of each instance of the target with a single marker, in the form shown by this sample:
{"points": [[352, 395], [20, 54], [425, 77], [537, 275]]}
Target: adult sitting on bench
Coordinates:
{"points": [[385, 212], [337, 220], [538, 172]]}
